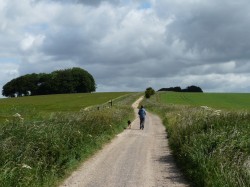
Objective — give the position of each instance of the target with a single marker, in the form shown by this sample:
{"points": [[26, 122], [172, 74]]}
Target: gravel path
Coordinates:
{"points": [[135, 158]]}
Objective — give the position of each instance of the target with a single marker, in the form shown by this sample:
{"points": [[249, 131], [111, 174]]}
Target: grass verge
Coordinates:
{"points": [[42, 152], [212, 147]]}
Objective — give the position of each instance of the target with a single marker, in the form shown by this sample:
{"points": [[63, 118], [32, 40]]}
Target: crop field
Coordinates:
{"points": [[211, 146], [41, 150], [230, 101], [33, 106]]}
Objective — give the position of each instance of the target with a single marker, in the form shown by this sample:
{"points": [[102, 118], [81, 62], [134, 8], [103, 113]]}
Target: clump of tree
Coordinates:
{"points": [[172, 89], [74, 80], [149, 92], [178, 89]]}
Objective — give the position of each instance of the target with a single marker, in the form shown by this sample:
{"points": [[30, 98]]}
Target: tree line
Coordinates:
{"points": [[74, 80], [178, 89]]}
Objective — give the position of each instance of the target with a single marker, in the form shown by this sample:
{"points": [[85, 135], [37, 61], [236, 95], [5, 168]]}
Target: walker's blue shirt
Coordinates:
{"points": [[142, 113]]}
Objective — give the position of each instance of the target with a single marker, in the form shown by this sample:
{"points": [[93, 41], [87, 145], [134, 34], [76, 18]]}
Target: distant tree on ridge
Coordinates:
{"points": [[74, 80]]}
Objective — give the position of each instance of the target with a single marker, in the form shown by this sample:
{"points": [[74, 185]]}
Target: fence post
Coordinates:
{"points": [[111, 103]]}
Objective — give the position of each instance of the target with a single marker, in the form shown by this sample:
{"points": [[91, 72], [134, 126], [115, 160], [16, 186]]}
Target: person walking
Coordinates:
{"points": [[142, 115]]}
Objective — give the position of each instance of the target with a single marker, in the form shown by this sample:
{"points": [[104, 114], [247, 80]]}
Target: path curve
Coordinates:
{"points": [[135, 158]]}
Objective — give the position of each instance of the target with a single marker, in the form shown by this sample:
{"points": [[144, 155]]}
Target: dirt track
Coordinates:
{"points": [[135, 158]]}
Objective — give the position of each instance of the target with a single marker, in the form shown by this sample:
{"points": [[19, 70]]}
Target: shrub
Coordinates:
{"points": [[149, 92]]}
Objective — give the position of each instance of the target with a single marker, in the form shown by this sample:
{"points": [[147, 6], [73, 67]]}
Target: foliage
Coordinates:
{"points": [[41, 151], [149, 92], [211, 146], [173, 89], [192, 89], [178, 89], [75, 80]]}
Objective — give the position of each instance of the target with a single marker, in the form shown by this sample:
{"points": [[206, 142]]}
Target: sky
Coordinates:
{"points": [[130, 45]]}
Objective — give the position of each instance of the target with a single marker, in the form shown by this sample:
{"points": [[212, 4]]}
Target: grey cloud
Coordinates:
{"points": [[106, 39], [97, 2], [221, 28], [85, 2]]}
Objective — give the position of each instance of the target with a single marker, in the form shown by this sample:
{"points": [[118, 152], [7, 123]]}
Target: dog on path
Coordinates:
{"points": [[129, 124]]}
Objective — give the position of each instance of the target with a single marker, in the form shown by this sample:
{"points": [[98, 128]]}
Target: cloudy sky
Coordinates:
{"points": [[129, 45]]}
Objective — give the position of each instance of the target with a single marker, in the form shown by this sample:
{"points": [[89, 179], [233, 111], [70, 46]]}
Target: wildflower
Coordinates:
{"points": [[89, 135], [17, 115], [85, 109], [206, 108], [217, 111], [26, 166], [110, 125], [247, 165]]}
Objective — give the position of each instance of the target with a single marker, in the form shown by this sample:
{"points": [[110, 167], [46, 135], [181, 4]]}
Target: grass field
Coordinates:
{"points": [[211, 146], [42, 150], [33, 106], [231, 101]]}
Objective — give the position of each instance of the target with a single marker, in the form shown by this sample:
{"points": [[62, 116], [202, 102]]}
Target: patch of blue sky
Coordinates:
{"points": [[145, 5], [9, 60], [126, 2], [37, 28]]}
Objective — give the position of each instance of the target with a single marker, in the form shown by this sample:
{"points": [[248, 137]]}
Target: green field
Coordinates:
{"points": [[56, 135], [30, 107], [231, 101]]}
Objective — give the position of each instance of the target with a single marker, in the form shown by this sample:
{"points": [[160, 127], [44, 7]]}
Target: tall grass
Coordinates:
{"points": [[212, 147], [42, 152]]}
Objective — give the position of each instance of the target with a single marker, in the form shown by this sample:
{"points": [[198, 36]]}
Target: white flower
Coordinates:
{"points": [[247, 165], [206, 108], [26, 166], [17, 115], [217, 111]]}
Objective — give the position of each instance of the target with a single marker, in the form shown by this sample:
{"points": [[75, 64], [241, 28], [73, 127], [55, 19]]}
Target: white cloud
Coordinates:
{"points": [[8, 71], [31, 41]]}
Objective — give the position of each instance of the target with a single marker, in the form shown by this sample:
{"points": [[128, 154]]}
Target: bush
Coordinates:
{"points": [[149, 92]]}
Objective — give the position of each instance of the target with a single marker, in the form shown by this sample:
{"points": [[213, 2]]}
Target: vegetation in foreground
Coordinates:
{"points": [[212, 147], [42, 152]]}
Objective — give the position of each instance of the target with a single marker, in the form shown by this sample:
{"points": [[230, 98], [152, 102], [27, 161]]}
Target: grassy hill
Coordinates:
{"points": [[231, 101], [33, 106]]}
